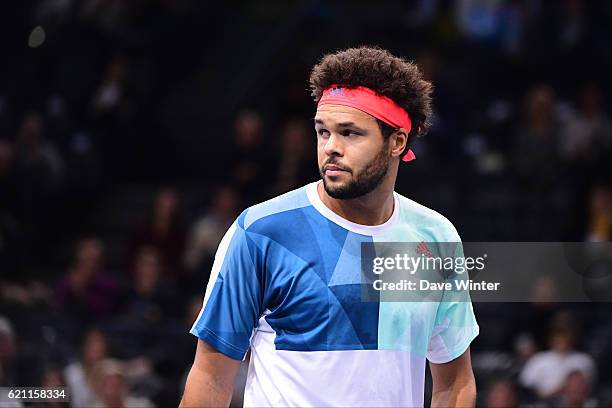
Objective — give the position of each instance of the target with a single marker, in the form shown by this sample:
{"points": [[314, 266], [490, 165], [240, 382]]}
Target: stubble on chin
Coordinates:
{"points": [[362, 183]]}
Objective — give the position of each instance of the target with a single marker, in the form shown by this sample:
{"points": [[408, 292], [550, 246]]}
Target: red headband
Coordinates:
{"points": [[368, 101]]}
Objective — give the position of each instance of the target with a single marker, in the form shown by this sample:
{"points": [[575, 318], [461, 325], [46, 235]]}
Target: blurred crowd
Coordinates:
{"points": [[133, 133]]}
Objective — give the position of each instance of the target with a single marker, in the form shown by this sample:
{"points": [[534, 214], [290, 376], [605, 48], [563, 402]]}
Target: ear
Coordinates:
{"points": [[398, 140]]}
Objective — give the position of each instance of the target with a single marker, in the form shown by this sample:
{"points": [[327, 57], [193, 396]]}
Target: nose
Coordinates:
{"points": [[333, 145]]}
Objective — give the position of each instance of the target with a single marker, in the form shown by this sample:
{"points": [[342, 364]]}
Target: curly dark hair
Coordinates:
{"points": [[379, 70]]}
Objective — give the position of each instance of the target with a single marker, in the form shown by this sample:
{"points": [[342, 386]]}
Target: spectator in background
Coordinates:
{"points": [[537, 149], [295, 157], [207, 231], [588, 135], [600, 215], [547, 371], [576, 392], [163, 232], [251, 166], [87, 290], [501, 394], [111, 387], [38, 172], [537, 165], [111, 116], [148, 301], [37, 162], [109, 94], [80, 375], [542, 308]]}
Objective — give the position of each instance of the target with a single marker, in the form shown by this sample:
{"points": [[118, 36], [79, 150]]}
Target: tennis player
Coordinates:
{"points": [[286, 281]]}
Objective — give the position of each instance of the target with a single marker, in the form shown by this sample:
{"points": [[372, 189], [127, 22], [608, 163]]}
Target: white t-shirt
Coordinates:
{"points": [[546, 371]]}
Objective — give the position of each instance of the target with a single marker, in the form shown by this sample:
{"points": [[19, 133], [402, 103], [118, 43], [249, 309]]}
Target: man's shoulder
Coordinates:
{"points": [[416, 214], [271, 213]]}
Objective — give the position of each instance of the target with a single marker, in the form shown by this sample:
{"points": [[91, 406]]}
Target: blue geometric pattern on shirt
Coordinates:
{"points": [[312, 282]]}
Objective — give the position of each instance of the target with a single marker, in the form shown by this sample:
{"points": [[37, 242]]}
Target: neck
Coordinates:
{"points": [[373, 208]]}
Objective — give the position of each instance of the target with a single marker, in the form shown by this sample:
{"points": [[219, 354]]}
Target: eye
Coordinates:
{"points": [[322, 132], [349, 132]]}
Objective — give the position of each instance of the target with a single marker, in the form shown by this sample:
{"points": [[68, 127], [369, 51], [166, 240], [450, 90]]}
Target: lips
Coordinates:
{"points": [[332, 170]]}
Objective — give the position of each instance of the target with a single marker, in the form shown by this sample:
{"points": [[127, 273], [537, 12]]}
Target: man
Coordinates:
{"points": [[286, 279]]}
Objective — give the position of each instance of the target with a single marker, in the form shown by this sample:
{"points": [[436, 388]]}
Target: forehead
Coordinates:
{"points": [[334, 114]]}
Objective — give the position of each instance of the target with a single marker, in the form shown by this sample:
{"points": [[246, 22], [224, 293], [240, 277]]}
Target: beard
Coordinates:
{"points": [[363, 182]]}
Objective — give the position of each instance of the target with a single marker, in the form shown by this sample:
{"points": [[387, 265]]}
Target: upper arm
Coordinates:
{"points": [[453, 383], [454, 372], [211, 379], [210, 361]]}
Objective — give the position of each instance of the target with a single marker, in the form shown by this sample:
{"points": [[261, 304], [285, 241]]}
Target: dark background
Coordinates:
{"points": [[133, 132]]}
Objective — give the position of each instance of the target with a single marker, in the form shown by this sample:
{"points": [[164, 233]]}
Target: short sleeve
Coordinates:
{"points": [[455, 324], [232, 303]]}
